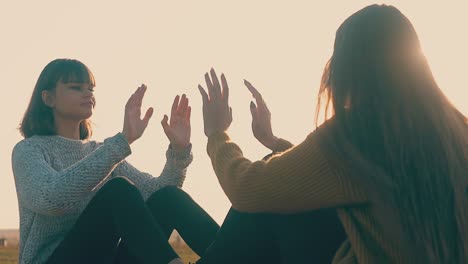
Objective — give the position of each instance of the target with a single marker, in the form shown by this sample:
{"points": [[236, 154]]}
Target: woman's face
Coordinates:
{"points": [[74, 101]]}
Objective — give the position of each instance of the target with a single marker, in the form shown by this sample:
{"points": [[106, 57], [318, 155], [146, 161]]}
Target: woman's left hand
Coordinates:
{"points": [[178, 129], [217, 114], [261, 119]]}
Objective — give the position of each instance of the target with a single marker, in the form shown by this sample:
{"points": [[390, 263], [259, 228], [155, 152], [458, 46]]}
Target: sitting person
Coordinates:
{"points": [[392, 160], [78, 198]]}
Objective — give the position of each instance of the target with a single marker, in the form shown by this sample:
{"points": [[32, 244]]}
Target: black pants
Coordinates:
{"points": [[311, 237], [118, 211]]}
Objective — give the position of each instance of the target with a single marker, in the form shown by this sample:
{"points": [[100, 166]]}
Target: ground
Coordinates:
{"points": [[8, 255]]}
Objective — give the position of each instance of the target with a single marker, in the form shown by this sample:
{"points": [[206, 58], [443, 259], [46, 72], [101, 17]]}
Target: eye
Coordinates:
{"points": [[91, 89], [75, 88]]}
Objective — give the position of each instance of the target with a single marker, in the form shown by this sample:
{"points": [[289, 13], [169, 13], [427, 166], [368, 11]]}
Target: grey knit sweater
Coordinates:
{"points": [[56, 178]]}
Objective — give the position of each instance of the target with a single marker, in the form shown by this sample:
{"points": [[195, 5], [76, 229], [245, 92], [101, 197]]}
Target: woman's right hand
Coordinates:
{"points": [[134, 126], [178, 128], [261, 119]]}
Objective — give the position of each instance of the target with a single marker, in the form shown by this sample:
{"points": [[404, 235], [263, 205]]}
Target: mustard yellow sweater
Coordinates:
{"points": [[299, 179]]}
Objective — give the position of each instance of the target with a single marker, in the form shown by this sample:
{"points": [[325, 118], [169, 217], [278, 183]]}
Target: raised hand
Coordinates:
{"points": [[134, 126], [217, 114], [178, 129], [261, 119]]}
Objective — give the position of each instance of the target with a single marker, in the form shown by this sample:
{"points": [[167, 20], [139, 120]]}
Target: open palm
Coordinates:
{"points": [[217, 114], [178, 129], [134, 126], [261, 119]]}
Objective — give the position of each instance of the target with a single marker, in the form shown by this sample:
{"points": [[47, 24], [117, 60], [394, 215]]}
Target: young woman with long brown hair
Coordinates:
{"points": [[392, 160]]}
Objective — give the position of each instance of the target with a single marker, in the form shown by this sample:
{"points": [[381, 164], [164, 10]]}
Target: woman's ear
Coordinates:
{"points": [[48, 99]]}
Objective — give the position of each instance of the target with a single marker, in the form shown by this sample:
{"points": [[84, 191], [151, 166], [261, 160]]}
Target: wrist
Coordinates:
{"points": [[127, 137], [214, 132], [179, 147], [183, 155], [271, 143]]}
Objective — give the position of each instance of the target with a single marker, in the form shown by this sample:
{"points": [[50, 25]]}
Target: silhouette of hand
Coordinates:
{"points": [[178, 129], [217, 114], [261, 119]]}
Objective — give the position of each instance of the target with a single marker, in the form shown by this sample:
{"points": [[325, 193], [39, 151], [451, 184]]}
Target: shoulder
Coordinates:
{"points": [[328, 140], [325, 131], [32, 147], [25, 151], [26, 145]]}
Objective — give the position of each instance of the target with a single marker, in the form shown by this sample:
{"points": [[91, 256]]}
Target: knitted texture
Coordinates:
{"points": [[56, 177], [304, 178]]}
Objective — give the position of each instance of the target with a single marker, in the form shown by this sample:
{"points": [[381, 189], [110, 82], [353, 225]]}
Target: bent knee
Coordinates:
{"points": [[171, 190], [171, 193], [120, 184]]}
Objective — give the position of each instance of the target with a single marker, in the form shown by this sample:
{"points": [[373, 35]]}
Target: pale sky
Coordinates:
{"points": [[279, 46]]}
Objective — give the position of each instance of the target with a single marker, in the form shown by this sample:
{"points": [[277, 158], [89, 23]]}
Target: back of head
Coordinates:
{"points": [[388, 106]]}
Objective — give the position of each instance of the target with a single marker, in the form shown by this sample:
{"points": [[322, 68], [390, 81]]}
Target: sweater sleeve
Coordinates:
{"points": [[281, 146], [173, 173], [299, 179], [46, 191]]}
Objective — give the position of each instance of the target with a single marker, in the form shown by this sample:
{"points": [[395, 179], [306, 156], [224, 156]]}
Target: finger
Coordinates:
{"points": [[136, 91], [186, 106], [209, 85], [225, 87], [140, 94], [174, 107], [230, 112], [252, 89], [179, 107], [256, 94], [182, 106], [132, 104], [131, 100], [216, 85], [137, 101], [189, 113], [164, 123], [148, 115], [203, 94], [253, 111]]}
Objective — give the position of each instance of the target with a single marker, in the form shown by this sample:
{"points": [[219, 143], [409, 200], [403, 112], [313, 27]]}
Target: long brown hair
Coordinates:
{"points": [[388, 107], [38, 118]]}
